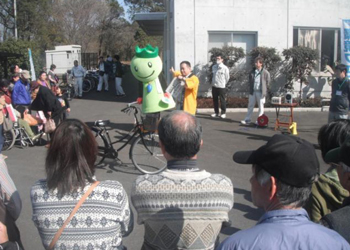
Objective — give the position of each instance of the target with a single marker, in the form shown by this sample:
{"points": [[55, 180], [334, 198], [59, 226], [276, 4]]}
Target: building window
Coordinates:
{"points": [[326, 41], [246, 40]]}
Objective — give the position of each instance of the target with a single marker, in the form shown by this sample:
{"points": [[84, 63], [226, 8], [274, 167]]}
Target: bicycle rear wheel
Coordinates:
{"points": [[101, 149], [9, 139], [146, 154], [86, 85]]}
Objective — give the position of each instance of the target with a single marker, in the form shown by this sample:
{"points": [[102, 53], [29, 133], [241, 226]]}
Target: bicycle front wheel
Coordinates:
{"points": [[146, 154]]}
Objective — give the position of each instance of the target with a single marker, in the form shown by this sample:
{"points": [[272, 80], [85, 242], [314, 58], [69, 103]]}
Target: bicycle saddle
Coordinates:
{"points": [[102, 123]]}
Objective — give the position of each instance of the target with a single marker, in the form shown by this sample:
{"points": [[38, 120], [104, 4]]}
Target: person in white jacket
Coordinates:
{"points": [[221, 76]]}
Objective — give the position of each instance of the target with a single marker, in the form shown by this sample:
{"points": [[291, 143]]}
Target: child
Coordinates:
{"points": [[64, 102]]}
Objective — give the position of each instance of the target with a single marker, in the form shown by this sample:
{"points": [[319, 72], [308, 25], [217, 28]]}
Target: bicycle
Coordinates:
{"points": [[145, 152]]}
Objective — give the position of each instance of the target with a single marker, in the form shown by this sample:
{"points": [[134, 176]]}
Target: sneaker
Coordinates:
{"points": [[245, 122], [36, 137], [223, 116], [215, 115]]}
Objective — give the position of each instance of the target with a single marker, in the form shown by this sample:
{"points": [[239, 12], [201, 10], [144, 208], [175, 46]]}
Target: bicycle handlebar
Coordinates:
{"points": [[129, 106], [132, 103]]}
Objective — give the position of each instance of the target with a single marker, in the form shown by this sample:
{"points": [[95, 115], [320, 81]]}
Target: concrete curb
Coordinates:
{"points": [[242, 110]]}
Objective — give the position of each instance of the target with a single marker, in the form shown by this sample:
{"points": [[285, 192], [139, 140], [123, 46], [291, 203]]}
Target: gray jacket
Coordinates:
{"points": [[264, 81]]}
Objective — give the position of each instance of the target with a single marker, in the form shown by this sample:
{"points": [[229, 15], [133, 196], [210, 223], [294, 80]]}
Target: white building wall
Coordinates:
{"points": [[272, 20]]}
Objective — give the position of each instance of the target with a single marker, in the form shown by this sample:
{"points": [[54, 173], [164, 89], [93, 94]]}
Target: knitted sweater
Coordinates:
{"points": [[100, 222], [181, 209]]}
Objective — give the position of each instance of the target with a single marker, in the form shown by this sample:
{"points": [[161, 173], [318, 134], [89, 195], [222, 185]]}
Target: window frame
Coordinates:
{"points": [[232, 33], [336, 43]]}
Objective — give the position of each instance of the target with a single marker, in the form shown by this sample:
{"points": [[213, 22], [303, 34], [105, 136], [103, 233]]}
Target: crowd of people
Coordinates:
{"points": [[183, 207], [23, 96]]}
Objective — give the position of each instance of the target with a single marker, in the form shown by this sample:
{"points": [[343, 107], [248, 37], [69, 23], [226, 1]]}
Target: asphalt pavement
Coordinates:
{"points": [[221, 138]]}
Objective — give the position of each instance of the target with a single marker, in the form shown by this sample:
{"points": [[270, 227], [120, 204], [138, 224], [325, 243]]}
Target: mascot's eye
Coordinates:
{"points": [[136, 69], [150, 64]]}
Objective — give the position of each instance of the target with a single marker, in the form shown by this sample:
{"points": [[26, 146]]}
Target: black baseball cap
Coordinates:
{"points": [[340, 154], [289, 159]]}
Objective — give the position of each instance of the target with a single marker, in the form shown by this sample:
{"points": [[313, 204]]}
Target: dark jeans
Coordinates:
{"points": [[219, 93]]}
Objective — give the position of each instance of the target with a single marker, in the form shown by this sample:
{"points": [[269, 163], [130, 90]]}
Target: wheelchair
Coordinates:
{"points": [[17, 135]]}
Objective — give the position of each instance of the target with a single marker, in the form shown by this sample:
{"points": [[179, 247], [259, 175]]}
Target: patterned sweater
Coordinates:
{"points": [[100, 222], [181, 209]]}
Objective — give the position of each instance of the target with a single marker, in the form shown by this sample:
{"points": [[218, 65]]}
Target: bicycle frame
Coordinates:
{"points": [[104, 134]]}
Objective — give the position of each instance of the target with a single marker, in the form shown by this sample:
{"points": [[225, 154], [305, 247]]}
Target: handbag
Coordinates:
{"points": [[80, 202], [50, 126], [7, 124]]}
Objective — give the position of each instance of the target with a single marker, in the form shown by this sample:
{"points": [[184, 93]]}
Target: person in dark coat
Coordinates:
{"points": [[46, 101]]}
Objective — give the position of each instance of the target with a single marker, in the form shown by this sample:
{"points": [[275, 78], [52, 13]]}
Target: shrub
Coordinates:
{"points": [[299, 63]]}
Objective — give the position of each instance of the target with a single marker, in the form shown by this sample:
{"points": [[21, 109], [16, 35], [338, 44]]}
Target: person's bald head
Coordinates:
{"points": [[181, 134]]}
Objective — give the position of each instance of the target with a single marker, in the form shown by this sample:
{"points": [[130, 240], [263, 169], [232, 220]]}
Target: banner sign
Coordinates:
{"points": [[32, 71], [175, 88], [345, 44]]}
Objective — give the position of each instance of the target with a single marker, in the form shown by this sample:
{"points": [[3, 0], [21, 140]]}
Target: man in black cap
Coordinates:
{"points": [[339, 219], [283, 172]]}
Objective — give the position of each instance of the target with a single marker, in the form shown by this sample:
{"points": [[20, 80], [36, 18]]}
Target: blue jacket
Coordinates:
{"points": [[20, 94], [285, 229]]}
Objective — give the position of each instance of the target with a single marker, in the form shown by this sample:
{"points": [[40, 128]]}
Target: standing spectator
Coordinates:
{"points": [[118, 73], [4, 88], [13, 203], [339, 106], [103, 219], [103, 68], [15, 69], [221, 75], [64, 102], [281, 184], [20, 93], [188, 102], [339, 219], [42, 80], [183, 201], [52, 76], [327, 194], [259, 79], [78, 72]]}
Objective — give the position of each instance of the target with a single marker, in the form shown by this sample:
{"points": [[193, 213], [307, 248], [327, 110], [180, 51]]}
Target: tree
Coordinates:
{"points": [[21, 47], [299, 62], [271, 62], [7, 18], [138, 6], [35, 22]]}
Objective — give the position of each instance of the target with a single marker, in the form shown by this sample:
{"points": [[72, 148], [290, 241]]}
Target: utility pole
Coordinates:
{"points": [[15, 15]]}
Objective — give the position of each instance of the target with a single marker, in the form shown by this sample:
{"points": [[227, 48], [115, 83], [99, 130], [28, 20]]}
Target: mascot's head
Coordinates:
{"points": [[146, 64]]}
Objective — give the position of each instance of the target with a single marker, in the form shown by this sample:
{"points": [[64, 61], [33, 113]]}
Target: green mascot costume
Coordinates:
{"points": [[146, 66]]}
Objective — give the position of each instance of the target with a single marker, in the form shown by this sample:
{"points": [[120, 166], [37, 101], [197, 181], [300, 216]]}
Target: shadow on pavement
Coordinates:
{"points": [[111, 166], [208, 117], [246, 194], [229, 230], [250, 212], [249, 136]]}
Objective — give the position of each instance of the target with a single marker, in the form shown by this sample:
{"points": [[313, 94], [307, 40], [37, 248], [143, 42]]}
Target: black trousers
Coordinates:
{"points": [[219, 93]]}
